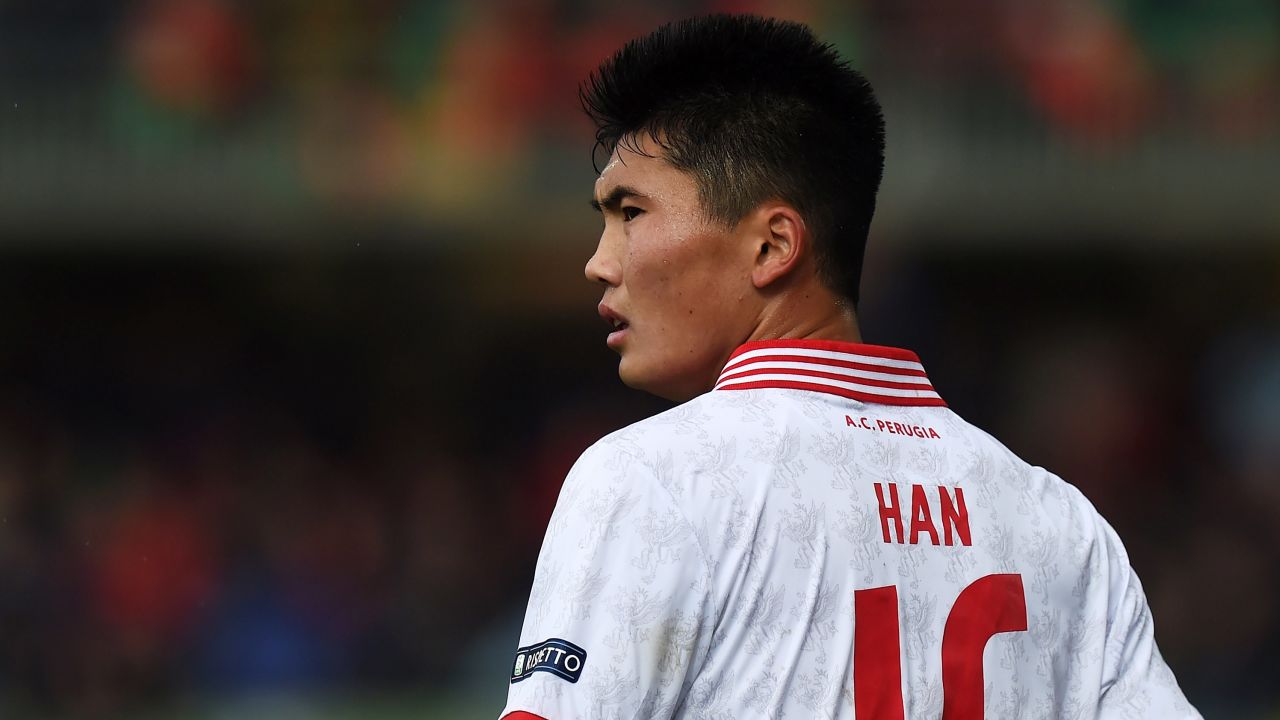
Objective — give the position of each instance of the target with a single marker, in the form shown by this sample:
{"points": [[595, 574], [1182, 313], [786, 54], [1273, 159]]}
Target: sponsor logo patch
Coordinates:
{"points": [[558, 657]]}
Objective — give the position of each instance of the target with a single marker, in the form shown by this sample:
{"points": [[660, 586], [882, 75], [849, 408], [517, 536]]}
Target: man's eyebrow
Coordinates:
{"points": [[613, 200]]}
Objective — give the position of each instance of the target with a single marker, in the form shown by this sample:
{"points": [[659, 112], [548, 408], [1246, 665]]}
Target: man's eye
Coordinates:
{"points": [[630, 213]]}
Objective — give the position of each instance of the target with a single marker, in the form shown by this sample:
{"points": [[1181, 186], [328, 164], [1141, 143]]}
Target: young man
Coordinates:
{"points": [[813, 533]]}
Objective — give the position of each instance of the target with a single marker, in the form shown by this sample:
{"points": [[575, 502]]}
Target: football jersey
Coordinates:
{"points": [[821, 537]]}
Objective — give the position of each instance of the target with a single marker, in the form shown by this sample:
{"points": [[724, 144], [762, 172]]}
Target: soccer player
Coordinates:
{"points": [[812, 533]]}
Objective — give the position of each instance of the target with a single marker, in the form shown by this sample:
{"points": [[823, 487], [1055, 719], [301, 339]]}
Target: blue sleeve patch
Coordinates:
{"points": [[558, 657]]}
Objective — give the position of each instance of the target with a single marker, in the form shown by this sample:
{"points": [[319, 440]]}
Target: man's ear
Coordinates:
{"points": [[782, 242]]}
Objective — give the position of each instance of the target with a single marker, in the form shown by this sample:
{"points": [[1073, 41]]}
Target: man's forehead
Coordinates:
{"points": [[616, 172], [614, 161], [607, 177], [627, 165]]}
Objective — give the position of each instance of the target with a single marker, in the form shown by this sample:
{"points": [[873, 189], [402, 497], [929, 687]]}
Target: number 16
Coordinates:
{"points": [[990, 605]]}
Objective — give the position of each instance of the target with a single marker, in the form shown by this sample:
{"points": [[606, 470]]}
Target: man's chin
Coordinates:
{"points": [[655, 383], [631, 376]]}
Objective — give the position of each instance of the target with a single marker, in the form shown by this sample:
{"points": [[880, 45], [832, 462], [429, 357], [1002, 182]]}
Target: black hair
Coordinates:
{"points": [[755, 109]]}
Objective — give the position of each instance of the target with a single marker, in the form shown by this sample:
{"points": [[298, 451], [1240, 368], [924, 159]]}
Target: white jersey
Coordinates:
{"points": [[820, 537]]}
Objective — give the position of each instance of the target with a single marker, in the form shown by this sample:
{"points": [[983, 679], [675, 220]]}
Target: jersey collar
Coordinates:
{"points": [[868, 373]]}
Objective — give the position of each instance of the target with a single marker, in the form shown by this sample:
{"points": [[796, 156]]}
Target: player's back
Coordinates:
{"points": [[832, 541]]}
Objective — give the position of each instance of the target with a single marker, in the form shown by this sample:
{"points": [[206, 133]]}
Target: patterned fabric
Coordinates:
{"points": [[767, 548]]}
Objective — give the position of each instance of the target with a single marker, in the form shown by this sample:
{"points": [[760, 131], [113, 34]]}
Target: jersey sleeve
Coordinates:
{"points": [[1136, 682], [620, 614]]}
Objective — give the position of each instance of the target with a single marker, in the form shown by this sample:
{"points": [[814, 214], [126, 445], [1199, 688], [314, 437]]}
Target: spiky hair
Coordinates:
{"points": [[755, 109]]}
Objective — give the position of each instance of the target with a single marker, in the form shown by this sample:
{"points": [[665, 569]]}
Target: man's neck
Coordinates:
{"points": [[803, 313], [808, 314]]}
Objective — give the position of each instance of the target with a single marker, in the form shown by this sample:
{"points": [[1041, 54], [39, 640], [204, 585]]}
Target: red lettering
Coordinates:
{"points": [[893, 428], [890, 512], [955, 516], [921, 518], [992, 604], [862, 422], [877, 659]]}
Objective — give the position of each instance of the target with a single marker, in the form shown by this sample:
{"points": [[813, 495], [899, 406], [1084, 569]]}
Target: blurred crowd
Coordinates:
{"points": [[224, 479], [493, 77], [427, 107], [220, 479]]}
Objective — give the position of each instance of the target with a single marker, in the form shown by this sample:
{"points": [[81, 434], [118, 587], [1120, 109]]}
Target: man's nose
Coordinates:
{"points": [[603, 266]]}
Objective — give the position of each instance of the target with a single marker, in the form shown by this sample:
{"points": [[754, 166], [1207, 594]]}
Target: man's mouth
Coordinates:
{"points": [[619, 333], [617, 322]]}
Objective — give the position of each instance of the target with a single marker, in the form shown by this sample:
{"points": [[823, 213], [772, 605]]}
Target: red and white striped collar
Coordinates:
{"points": [[869, 373]]}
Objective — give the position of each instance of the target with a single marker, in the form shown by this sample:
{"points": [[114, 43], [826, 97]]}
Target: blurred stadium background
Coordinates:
{"points": [[295, 347]]}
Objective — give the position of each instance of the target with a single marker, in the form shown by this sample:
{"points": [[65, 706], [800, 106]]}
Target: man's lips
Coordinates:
{"points": [[614, 341], [617, 321]]}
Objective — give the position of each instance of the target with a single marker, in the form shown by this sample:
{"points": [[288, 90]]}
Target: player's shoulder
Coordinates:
{"points": [[662, 446], [697, 423], [1054, 500], [631, 486]]}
